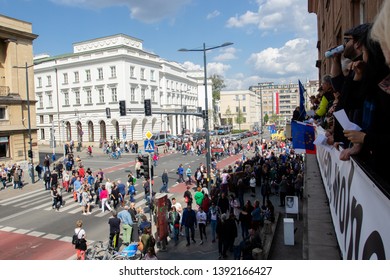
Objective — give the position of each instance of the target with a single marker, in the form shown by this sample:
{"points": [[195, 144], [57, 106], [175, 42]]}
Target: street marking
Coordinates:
{"points": [[51, 236]]}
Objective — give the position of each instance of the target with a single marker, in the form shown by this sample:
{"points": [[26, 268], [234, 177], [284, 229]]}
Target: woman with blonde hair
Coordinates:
{"points": [[81, 245], [381, 30]]}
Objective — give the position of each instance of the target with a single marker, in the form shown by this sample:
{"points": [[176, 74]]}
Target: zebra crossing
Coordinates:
{"points": [[41, 200]]}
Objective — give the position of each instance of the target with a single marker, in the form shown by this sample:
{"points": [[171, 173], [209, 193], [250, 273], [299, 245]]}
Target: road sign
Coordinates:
{"points": [[149, 146], [148, 135]]}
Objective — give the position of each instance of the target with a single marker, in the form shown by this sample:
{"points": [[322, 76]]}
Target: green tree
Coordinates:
{"points": [[274, 118], [217, 85], [239, 117], [265, 119], [228, 114]]}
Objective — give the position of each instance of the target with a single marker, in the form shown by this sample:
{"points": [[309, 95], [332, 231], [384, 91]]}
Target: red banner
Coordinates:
{"points": [[162, 216]]}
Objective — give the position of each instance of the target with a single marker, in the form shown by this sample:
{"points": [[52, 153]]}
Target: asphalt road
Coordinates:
{"points": [[27, 218]]}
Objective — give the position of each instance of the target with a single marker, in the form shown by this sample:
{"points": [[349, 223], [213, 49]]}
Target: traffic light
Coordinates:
{"points": [[148, 107], [145, 166], [30, 153], [122, 108]]}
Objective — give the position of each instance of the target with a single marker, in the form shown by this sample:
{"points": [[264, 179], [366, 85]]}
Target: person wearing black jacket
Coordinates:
{"points": [[189, 223]]}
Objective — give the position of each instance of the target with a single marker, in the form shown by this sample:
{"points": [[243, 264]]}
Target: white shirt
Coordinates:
{"points": [[201, 217]]}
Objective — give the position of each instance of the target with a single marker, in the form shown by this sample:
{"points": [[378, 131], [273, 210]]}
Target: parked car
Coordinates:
{"points": [[160, 139], [248, 133], [255, 132], [236, 137]]}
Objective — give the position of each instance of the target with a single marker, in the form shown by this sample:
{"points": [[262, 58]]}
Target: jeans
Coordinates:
{"points": [[188, 229], [202, 231], [213, 225], [164, 188]]}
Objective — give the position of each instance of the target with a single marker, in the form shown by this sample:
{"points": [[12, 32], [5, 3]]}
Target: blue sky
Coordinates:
{"points": [[274, 40]]}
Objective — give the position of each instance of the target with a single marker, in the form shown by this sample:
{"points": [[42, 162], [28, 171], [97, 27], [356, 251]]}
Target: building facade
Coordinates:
{"points": [[78, 94], [240, 108], [17, 98], [280, 100], [336, 17]]}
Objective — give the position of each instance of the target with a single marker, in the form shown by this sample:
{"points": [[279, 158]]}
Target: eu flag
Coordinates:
{"points": [[303, 137], [302, 111]]}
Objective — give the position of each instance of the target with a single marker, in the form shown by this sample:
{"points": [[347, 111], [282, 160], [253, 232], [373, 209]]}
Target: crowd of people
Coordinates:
{"points": [[358, 83]]}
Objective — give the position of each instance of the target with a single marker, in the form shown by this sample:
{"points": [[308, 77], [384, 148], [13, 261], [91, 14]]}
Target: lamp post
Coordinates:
{"points": [[26, 66], [239, 112], [261, 108], [204, 49]]}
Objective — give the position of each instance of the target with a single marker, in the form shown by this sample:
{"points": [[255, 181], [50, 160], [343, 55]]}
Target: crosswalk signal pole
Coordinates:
{"points": [[151, 190]]}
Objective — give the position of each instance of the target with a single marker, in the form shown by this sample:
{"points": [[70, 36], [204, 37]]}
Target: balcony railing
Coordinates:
{"points": [[4, 91]]}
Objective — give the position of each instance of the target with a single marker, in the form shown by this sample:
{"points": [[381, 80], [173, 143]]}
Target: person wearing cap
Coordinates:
{"points": [[127, 224]]}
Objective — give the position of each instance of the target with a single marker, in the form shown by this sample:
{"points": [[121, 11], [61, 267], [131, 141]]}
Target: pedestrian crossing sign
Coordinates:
{"points": [[149, 146]]}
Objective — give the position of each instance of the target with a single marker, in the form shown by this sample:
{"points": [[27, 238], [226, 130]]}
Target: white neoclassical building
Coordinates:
{"points": [[78, 94]]}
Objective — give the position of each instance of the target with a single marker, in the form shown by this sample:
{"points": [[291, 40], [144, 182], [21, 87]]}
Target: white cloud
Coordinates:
{"points": [[293, 60], [146, 11], [243, 20], [226, 54], [190, 66], [213, 14], [277, 15], [217, 68]]}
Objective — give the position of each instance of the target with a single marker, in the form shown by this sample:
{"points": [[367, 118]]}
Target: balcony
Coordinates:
{"points": [[4, 91]]}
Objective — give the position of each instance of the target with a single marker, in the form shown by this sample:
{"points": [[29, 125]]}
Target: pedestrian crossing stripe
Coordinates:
{"points": [[149, 146]]}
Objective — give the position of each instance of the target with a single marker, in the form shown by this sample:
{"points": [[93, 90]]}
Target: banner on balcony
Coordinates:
{"points": [[360, 210], [303, 137]]}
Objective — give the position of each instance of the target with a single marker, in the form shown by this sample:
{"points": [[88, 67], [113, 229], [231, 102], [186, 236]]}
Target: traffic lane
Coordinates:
{"points": [[15, 246]]}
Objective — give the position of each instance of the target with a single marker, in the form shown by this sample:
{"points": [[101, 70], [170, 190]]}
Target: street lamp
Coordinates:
{"points": [[261, 107], [239, 112], [204, 49], [29, 118]]}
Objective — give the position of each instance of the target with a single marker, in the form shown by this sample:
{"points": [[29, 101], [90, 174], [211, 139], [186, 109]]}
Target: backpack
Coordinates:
{"points": [[75, 238]]}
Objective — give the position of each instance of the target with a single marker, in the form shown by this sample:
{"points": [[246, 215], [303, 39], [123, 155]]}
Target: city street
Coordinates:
{"points": [[39, 232]]}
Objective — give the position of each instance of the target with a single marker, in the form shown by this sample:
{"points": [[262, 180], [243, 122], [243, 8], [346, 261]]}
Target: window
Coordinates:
{"points": [[152, 75], [51, 118], [113, 71], [243, 109], [39, 79], [41, 119], [42, 134], [66, 98], [40, 101], [76, 77], [101, 95], [88, 75], [131, 71], [49, 100], [100, 73], [77, 96], [142, 73], [66, 78], [3, 113], [236, 109], [89, 96], [114, 95], [153, 95], [49, 81], [243, 97], [142, 95], [132, 94]]}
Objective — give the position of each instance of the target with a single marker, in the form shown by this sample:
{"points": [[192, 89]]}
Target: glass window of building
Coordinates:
{"points": [[39, 79], [132, 75], [49, 100], [77, 96], [101, 95], [41, 119], [48, 81], [142, 74], [76, 77], [132, 94], [88, 75], [152, 75], [142, 94], [66, 78], [100, 73], [114, 95], [89, 96], [113, 71], [3, 113], [66, 98]]}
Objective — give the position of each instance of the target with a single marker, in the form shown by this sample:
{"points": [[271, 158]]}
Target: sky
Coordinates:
{"points": [[273, 40]]}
